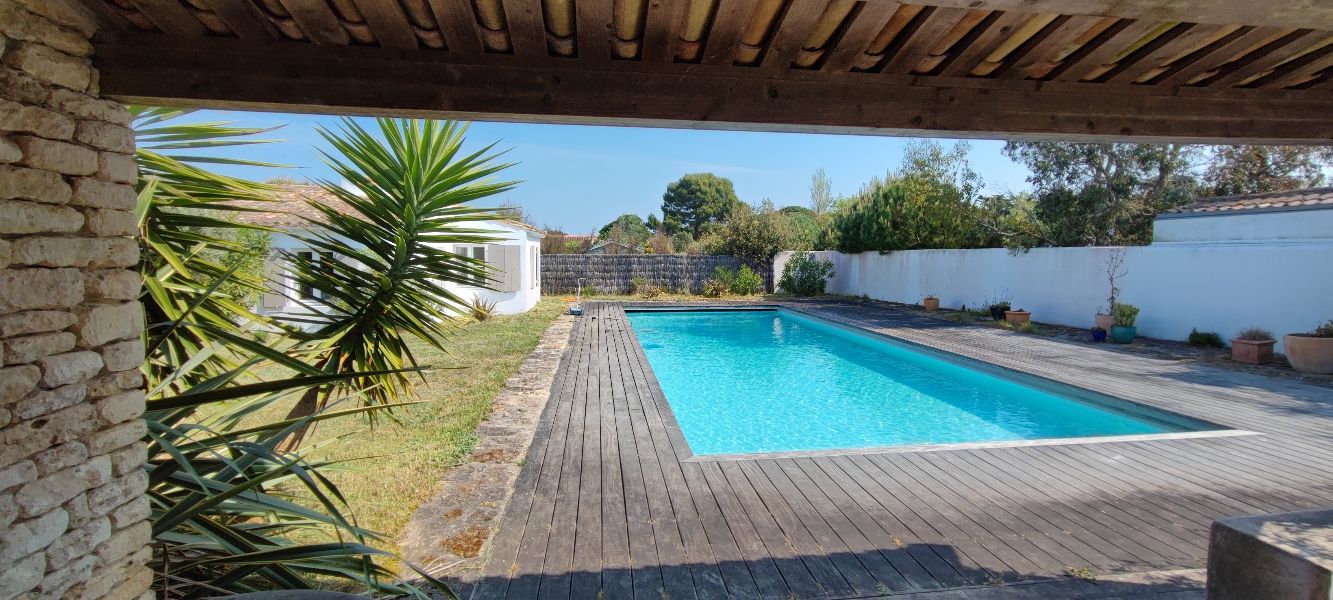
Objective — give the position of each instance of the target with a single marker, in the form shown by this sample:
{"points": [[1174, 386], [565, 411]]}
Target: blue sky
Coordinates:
{"points": [[580, 177]]}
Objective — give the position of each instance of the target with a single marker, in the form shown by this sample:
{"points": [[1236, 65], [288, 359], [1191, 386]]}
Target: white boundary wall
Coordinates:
{"points": [[1284, 287]]}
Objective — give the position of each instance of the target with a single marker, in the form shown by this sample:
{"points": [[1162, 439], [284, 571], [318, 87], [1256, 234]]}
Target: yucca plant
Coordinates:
{"points": [[184, 211], [381, 269], [228, 495]]}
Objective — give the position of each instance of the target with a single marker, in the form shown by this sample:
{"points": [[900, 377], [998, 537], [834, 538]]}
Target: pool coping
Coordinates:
{"points": [[1088, 396]]}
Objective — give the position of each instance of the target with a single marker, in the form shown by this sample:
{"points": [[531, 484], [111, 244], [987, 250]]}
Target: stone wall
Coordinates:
{"points": [[612, 273], [72, 510]]}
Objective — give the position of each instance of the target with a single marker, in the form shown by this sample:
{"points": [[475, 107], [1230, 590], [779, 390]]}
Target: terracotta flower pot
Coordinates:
{"points": [[1017, 317], [1104, 321], [931, 303], [1309, 354], [1254, 352]]}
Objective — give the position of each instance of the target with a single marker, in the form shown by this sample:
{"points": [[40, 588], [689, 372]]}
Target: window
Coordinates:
{"points": [[317, 261], [477, 252]]}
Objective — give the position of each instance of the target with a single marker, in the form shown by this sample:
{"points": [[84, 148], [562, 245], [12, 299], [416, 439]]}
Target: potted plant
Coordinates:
{"points": [[1253, 346], [1114, 269], [1124, 331], [1017, 317], [1098, 334], [931, 302], [997, 309], [1311, 352]]}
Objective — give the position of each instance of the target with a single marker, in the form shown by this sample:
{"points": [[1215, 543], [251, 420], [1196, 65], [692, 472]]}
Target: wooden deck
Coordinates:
{"points": [[609, 506]]}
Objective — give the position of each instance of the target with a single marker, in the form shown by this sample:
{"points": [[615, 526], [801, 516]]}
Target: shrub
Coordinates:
{"points": [[1255, 334], [1125, 314], [747, 282], [1208, 339], [805, 275], [640, 286], [715, 288], [726, 276], [481, 309]]}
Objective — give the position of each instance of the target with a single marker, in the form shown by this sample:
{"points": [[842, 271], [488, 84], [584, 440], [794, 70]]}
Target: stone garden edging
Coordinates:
{"points": [[447, 534]]}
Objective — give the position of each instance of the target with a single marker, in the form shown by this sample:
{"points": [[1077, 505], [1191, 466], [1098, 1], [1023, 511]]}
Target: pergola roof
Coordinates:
{"points": [[1123, 69]]}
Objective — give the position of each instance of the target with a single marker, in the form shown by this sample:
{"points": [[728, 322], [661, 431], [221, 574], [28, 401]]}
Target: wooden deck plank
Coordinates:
{"points": [[611, 502]]}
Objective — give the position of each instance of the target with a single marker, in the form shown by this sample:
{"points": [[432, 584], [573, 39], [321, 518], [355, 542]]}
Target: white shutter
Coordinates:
{"points": [[513, 276], [273, 297]]}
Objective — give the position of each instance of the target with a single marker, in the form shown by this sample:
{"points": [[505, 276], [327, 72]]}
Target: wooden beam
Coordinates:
{"points": [[224, 73], [1317, 14], [868, 23], [243, 18]]}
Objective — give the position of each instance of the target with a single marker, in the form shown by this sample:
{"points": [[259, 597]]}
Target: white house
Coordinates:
{"points": [[514, 257]]}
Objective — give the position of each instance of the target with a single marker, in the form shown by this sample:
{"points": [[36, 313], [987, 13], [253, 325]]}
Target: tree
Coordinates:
{"points": [[220, 522], [698, 199], [929, 202], [409, 188], [756, 234], [653, 223], [821, 192], [1256, 169], [1100, 194], [806, 227], [627, 229]]}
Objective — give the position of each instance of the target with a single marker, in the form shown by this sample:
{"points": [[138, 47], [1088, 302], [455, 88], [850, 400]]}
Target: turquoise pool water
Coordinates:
{"points": [[746, 381]]}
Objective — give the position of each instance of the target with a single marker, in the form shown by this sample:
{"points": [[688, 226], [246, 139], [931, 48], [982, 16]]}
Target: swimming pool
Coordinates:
{"points": [[775, 380]]}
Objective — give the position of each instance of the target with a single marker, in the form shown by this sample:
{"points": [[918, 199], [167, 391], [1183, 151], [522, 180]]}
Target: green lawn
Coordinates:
{"points": [[404, 460]]}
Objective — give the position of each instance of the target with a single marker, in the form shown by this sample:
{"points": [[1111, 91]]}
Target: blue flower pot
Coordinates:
{"points": [[1099, 336], [1123, 335]]}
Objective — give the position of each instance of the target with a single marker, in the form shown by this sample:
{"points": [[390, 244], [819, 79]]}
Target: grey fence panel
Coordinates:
{"points": [[612, 273]]}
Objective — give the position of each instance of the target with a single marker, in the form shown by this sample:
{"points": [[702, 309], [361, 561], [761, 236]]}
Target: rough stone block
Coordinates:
{"points": [[119, 168], [20, 87], [104, 499], [9, 512], [129, 458], [89, 107], [117, 437], [105, 136], [51, 65], [60, 457], [25, 289], [33, 184], [21, 440], [61, 579], [22, 576], [61, 157], [24, 26], [130, 513], [112, 284], [18, 474], [124, 542], [9, 151], [70, 367], [35, 321], [1285, 555], [34, 119], [121, 407], [44, 402], [20, 217], [102, 323], [16, 382], [110, 383], [40, 496], [96, 193], [122, 356], [28, 349], [63, 13], [26, 537], [109, 223]]}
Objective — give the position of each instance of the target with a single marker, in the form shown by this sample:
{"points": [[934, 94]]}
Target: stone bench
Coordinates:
{"points": [[1285, 556]]}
